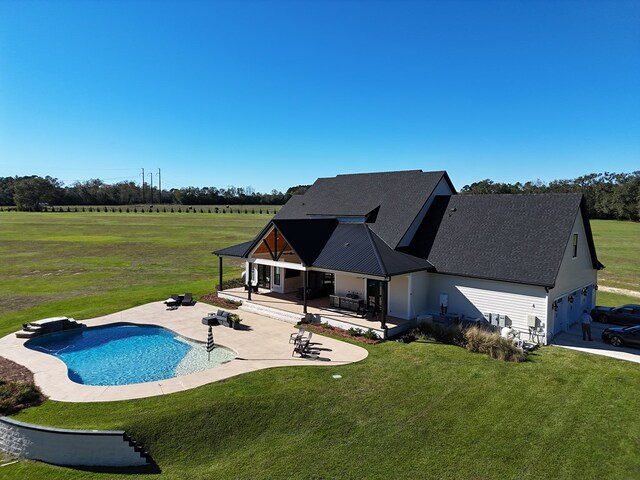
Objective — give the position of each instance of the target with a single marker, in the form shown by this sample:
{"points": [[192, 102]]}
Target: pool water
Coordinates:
{"points": [[121, 354]]}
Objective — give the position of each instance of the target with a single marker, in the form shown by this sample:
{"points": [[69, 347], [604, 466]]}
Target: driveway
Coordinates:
{"points": [[573, 339]]}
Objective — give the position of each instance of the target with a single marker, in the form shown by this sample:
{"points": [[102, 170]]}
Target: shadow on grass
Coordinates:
{"points": [[150, 469]]}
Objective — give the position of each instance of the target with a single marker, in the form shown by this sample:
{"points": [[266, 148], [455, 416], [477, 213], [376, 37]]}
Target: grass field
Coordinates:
{"points": [[618, 248], [83, 265], [420, 410]]}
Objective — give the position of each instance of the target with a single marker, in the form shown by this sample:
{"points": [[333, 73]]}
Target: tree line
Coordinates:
{"points": [[32, 193], [609, 196]]}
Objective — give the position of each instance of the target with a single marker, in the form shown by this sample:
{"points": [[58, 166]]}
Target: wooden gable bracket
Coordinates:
{"points": [[266, 244]]}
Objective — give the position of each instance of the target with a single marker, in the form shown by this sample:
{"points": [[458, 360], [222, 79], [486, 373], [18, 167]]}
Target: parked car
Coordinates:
{"points": [[618, 336], [624, 315]]}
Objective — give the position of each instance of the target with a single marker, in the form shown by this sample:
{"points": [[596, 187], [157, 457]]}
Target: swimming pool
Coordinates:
{"points": [[125, 353]]}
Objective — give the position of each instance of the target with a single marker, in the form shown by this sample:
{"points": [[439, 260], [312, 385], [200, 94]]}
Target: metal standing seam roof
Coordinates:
{"points": [[327, 244], [356, 248]]}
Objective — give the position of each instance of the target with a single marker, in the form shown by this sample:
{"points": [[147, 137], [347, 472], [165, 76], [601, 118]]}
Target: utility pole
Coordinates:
{"points": [[160, 186], [143, 185], [151, 175]]}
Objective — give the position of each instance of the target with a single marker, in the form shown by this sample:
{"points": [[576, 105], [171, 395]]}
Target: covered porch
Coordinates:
{"points": [[286, 307]]}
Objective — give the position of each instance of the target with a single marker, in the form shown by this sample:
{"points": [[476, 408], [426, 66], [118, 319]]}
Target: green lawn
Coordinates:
{"points": [[420, 410], [618, 248], [88, 264]]}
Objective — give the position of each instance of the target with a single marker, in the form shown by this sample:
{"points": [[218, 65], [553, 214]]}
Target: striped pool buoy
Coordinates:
{"points": [[210, 342]]}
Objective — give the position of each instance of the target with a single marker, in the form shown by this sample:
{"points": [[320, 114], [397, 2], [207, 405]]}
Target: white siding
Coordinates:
{"points": [[418, 294], [399, 297], [441, 189], [574, 275], [348, 283], [476, 297]]}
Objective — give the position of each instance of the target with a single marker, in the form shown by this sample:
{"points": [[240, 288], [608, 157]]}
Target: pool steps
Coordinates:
{"points": [[48, 325]]}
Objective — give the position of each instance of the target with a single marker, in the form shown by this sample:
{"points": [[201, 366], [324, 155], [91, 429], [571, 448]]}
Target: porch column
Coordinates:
{"points": [[305, 281], [220, 273], [249, 280], [383, 307]]}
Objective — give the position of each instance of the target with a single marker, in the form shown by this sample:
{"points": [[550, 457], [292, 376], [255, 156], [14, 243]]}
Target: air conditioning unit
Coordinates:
{"points": [[532, 321]]}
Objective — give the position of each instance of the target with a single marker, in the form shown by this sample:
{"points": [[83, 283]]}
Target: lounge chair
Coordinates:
{"points": [[187, 300]]}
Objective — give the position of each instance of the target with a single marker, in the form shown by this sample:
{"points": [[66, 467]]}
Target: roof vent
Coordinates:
{"points": [[453, 209], [347, 244]]}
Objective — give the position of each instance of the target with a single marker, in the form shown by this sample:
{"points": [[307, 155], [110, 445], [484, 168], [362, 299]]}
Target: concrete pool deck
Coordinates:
{"points": [[262, 343]]}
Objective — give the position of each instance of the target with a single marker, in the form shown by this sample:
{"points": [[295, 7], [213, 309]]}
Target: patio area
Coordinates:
{"points": [[262, 343], [288, 308]]}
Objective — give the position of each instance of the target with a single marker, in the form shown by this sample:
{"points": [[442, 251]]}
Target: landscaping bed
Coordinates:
{"points": [[325, 328], [214, 299], [17, 390]]}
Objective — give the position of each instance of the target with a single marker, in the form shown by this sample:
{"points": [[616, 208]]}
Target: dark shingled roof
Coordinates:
{"points": [[399, 195], [514, 238]]}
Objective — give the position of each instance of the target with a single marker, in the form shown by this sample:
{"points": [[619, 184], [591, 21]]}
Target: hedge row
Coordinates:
{"points": [[259, 211]]}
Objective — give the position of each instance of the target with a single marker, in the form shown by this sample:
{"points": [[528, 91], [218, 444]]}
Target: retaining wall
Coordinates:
{"points": [[96, 448]]}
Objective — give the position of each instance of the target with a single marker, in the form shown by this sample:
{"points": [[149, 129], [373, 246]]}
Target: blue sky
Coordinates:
{"points": [[271, 94]]}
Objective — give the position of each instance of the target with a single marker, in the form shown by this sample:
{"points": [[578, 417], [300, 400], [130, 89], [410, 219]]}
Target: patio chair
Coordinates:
{"points": [[302, 347], [296, 335]]}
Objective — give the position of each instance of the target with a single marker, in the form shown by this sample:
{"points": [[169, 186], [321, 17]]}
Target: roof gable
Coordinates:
{"points": [[397, 196], [516, 238]]}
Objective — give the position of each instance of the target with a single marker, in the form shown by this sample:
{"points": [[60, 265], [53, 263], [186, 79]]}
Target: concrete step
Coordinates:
{"points": [[281, 315]]}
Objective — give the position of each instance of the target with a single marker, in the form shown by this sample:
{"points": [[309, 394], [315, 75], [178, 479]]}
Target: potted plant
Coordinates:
{"points": [[234, 321]]}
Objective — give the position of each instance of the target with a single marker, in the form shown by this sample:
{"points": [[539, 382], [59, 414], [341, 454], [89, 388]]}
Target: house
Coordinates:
{"points": [[402, 245]]}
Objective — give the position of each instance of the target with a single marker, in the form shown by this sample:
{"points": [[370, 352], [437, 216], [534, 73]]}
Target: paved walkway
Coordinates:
{"points": [[573, 339], [264, 343]]}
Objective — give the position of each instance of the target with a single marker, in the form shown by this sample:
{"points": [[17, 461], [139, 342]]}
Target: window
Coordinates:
{"points": [[276, 275], [575, 245]]}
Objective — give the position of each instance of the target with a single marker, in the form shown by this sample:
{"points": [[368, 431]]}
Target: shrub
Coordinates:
{"points": [[16, 395], [232, 283], [492, 344], [355, 332], [127, 209], [371, 335], [449, 334]]}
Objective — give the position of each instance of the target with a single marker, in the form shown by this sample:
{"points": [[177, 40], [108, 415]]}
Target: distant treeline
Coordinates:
{"points": [[608, 195], [611, 196], [32, 193]]}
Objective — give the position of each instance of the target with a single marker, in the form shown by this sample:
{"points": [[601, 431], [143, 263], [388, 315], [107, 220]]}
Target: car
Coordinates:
{"points": [[623, 315], [619, 336]]}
